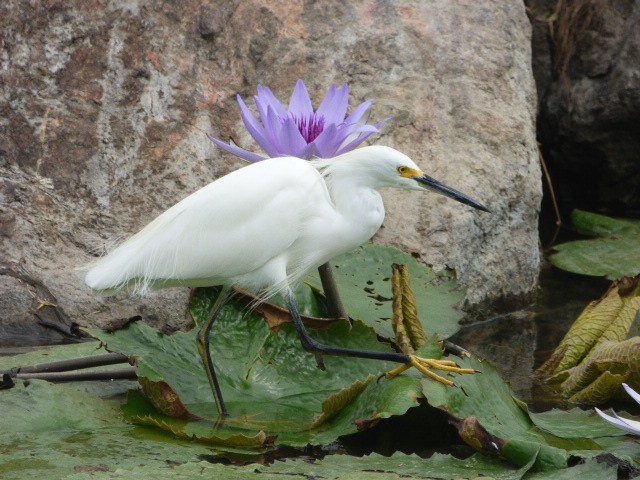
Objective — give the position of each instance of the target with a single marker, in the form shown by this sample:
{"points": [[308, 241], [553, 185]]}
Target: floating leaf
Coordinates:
{"points": [[364, 280], [58, 432], [337, 402], [614, 254], [62, 431], [269, 383], [491, 420]]}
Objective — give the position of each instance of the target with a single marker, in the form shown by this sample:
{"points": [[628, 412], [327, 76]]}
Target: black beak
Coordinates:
{"points": [[439, 187]]}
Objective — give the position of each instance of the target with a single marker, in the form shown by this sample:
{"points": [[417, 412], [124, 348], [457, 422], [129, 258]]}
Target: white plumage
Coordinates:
{"points": [[260, 227]]}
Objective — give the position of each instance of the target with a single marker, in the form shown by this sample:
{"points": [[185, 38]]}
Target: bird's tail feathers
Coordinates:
{"points": [[120, 268]]}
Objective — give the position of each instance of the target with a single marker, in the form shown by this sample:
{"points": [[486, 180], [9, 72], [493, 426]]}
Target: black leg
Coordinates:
{"points": [[311, 345], [203, 342]]}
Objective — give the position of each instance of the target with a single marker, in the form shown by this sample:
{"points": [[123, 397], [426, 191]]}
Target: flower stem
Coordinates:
{"points": [[330, 287]]}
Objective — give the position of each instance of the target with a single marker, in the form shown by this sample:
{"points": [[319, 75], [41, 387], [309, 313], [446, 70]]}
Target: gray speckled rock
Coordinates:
{"points": [[105, 104]]}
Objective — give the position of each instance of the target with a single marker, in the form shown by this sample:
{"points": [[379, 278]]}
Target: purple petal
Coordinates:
{"points": [[325, 106], [354, 143], [262, 109], [300, 103], [327, 144], [252, 157], [272, 126], [267, 97], [308, 152], [256, 130], [382, 122], [334, 106], [344, 133], [355, 116], [364, 129], [291, 141]]}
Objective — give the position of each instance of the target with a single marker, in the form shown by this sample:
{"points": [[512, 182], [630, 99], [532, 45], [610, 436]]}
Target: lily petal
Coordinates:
{"points": [[273, 125], [255, 128], [240, 152], [354, 143], [266, 96], [309, 151], [334, 106], [382, 122], [300, 131], [618, 422], [325, 106], [355, 116], [632, 393], [290, 139], [300, 103], [326, 145]]}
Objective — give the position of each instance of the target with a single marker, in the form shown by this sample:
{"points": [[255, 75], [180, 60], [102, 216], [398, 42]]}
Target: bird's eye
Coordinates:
{"points": [[402, 170]]}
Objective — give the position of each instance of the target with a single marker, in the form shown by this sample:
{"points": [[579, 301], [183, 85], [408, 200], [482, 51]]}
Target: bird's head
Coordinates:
{"points": [[387, 167]]}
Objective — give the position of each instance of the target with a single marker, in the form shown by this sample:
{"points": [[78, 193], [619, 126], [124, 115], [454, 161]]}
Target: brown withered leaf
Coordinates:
{"points": [[607, 319], [410, 333], [276, 316], [164, 398], [599, 377]]}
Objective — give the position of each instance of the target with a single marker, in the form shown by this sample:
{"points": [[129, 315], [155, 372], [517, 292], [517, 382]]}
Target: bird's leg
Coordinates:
{"points": [[311, 345], [204, 349], [424, 365]]}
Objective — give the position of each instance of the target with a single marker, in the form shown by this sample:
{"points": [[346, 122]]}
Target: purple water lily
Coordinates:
{"points": [[300, 131]]}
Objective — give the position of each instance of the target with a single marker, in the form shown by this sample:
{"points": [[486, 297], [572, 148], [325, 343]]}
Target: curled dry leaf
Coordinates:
{"points": [[595, 357]]}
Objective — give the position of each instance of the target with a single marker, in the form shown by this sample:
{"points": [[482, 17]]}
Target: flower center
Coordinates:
{"points": [[309, 127]]}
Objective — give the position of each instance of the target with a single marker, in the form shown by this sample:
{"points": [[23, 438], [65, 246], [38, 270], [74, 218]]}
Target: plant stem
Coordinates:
{"points": [[71, 364], [330, 287], [83, 376]]}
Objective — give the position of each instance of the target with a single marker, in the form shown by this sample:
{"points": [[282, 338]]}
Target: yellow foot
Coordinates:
{"points": [[425, 365]]}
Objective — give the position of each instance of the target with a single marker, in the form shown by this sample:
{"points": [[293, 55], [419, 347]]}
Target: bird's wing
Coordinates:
{"points": [[225, 230]]}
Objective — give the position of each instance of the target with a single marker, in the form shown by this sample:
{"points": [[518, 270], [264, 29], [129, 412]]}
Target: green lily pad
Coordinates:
{"points": [[60, 432], [303, 405], [364, 281], [491, 420], [268, 381], [56, 431], [615, 253]]}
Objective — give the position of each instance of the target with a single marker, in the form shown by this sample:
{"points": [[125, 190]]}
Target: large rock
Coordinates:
{"points": [[590, 102], [105, 106]]}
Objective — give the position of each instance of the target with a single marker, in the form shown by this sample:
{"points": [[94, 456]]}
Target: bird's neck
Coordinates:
{"points": [[360, 205]]}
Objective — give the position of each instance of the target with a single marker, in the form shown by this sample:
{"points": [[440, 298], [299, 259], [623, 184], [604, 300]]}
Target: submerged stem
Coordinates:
{"points": [[330, 287]]}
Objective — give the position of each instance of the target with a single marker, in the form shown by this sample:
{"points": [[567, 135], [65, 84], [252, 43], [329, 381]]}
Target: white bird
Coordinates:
{"points": [[263, 228]]}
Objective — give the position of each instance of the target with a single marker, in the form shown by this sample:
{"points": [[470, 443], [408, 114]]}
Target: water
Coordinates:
{"points": [[519, 342]]}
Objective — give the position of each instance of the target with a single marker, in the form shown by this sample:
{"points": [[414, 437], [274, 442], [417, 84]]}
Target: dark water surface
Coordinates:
{"points": [[519, 342]]}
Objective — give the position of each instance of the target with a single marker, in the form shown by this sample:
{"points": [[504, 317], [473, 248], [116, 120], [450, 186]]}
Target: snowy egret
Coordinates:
{"points": [[262, 228]]}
